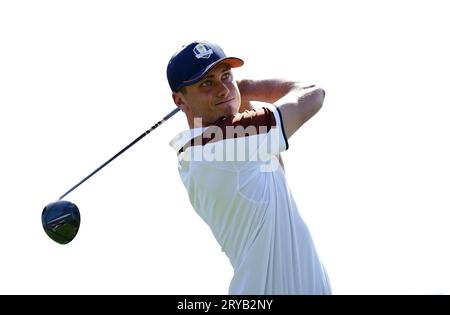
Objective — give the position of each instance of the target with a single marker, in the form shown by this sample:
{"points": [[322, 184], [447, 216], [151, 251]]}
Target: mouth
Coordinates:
{"points": [[220, 103]]}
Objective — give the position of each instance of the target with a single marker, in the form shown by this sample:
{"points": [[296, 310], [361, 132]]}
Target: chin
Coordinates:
{"points": [[232, 109]]}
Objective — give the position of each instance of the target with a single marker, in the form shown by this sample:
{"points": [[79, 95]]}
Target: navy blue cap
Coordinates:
{"points": [[190, 64]]}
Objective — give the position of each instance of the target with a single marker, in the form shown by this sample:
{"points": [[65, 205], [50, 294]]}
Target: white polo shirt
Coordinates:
{"points": [[237, 186]]}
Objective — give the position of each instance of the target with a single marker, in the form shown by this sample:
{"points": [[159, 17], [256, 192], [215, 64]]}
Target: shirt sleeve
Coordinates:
{"points": [[265, 123]]}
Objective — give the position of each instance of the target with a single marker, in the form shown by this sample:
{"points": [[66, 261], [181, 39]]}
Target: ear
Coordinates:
{"points": [[178, 99]]}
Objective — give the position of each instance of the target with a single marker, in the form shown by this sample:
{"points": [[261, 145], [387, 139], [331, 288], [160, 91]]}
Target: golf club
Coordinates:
{"points": [[61, 219]]}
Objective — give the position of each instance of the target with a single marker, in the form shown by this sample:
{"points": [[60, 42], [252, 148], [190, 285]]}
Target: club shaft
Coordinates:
{"points": [[122, 151]]}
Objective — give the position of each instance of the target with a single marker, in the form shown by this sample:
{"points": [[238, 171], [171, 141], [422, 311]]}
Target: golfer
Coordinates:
{"points": [[229, 163]]}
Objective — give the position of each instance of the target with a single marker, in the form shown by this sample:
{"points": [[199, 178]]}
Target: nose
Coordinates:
{"points": [[223, 90]]}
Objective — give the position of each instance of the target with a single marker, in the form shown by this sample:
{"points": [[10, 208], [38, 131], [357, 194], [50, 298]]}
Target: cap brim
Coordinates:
{"points": [[232, 61]]}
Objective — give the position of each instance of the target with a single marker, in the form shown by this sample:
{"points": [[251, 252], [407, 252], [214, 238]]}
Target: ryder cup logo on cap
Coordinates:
{"points": [[190, 64], [202, 51]]}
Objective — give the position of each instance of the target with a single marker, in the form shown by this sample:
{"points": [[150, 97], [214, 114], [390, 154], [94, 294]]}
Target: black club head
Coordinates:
{"points": [[61, 221]]}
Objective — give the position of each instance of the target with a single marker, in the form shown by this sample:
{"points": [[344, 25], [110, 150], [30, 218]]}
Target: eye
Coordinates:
{"points": [[227, 76], [206, 83]]}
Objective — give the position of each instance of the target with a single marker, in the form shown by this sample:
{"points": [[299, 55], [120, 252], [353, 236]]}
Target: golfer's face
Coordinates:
{"points": [[215, 96]]}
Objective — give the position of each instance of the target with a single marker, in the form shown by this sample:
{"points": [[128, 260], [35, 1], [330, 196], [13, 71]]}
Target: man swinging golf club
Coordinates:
{"points": [[229, 163]]}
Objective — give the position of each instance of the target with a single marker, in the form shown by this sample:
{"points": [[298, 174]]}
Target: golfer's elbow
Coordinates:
{"points": [[306, 103], [314, 102]]}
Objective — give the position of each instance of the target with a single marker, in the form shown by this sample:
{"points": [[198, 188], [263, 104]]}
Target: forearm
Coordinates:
{"points": [[297, 102], [268, 91]]}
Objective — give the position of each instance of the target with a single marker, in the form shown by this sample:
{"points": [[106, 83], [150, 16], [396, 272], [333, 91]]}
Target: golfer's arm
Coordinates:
{"points": [[268, 91], [297, 102], [298, 106]]}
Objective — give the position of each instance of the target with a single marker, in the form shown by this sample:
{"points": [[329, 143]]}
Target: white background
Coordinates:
{"points": [[79, 80]]}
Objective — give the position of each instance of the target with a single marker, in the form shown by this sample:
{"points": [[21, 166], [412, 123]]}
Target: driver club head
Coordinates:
{"points": [[61, 221]]}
